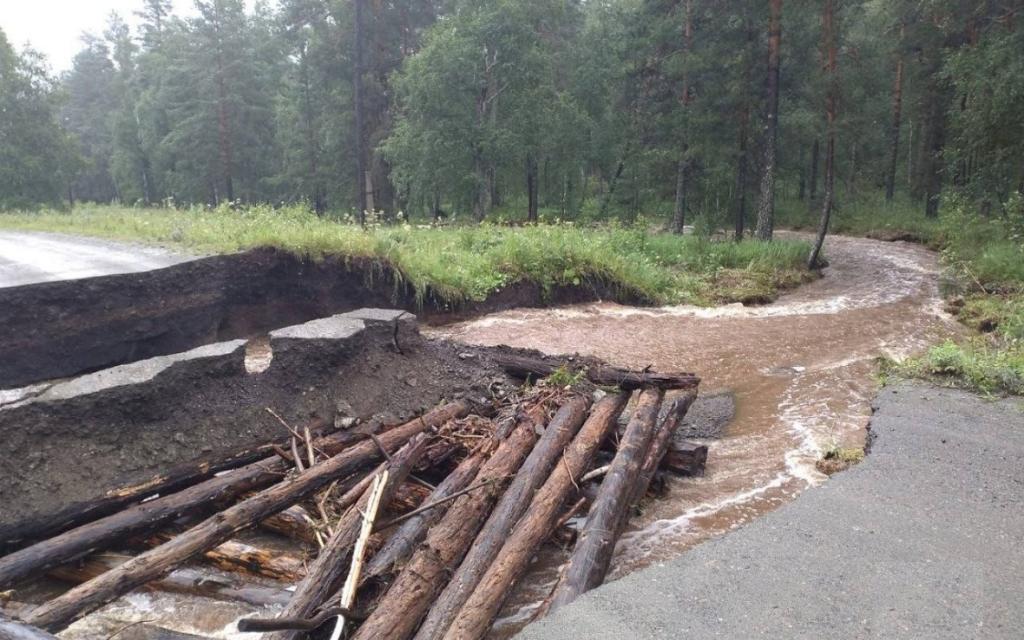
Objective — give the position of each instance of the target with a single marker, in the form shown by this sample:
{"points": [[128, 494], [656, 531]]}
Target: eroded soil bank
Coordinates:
{"points": [[58, 329], [801, 371]]}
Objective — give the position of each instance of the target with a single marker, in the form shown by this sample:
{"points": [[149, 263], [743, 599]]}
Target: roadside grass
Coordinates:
{"points": [[461, 264], [836, 459]]}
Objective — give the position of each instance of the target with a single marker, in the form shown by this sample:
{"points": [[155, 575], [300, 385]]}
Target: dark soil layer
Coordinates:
{"points": [[59, 329], [77, 441]]}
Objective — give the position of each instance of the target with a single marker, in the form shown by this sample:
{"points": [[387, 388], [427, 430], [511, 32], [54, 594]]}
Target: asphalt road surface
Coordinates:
{"points": [[30, 257], [924, 539]]}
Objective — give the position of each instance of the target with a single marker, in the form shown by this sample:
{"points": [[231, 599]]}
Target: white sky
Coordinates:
{"points": [[55, 26]]}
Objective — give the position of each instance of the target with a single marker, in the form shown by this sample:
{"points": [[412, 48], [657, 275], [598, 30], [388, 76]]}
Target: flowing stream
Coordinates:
{"points": [[801, 371]]}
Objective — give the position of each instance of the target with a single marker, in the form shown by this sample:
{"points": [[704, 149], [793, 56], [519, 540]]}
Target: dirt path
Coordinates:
{"points": [[801, 370]]}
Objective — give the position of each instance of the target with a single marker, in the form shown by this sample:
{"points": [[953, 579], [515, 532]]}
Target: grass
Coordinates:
{"points": [[465, 263], [836, 459]]}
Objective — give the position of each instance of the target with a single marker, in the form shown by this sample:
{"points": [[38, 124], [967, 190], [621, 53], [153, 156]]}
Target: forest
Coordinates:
{"points": [[436, 135], [557, 109]]}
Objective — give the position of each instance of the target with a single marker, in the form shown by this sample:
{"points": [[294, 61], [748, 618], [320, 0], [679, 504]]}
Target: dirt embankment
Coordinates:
{"points": [[65, 328], [76, 440]]}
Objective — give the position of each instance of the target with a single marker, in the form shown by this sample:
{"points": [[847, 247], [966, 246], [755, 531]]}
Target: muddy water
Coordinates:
{"points": [[801, 369]]}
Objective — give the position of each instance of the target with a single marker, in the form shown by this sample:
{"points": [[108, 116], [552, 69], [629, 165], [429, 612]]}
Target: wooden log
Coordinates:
{"points": [[61, 611], [239, 557], [474, 618], [325, 575], [660, 443], [150, 516], [403, 541], [175, 479], [186, 581], [513, 503], [13, 630], [294, 522], [686, 459], [400, 610], [599, 374], [592, 554], [408, 496]]}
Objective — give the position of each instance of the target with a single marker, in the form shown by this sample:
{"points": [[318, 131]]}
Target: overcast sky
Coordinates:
{"points": [[55, 26]]}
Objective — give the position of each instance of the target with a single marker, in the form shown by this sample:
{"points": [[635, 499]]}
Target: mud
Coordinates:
{"points": [[73, 441], [59, 329]]}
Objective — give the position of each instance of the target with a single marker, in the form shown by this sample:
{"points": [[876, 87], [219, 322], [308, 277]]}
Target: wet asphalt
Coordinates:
{"points": [[30, 258], [924, 539]]}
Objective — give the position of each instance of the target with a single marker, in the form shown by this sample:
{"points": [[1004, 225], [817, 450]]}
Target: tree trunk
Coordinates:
{"points": [[359, 69], [801, 179], [156, 563], [829, 38], [164, 484], [679, 215], [151, 515], [660, 443], [611, 187], [766, 205], [400, 610], [742, 162], [815, 156], [593, 552], [224, 121], [897, 111], [531, 188], [602, 375], [186, 581], [513, 504], [542, 517], [327, 571], [402, 542]]}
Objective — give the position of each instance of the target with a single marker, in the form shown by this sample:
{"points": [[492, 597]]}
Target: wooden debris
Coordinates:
{"points": [[400, 610], [593, 552], [186, 581], [474, 617], [602, 375], [236, 556], [294, 522], [660, 443], [402, 542], [513, 503], [60, 612], [150, 516], [324, 575], [686, 459]]}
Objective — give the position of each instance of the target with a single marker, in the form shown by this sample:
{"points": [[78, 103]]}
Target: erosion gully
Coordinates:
{"points": [[801, 372]]}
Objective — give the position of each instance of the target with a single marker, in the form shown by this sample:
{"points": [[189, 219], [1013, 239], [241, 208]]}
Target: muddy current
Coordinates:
{"points": [[801, 372]]}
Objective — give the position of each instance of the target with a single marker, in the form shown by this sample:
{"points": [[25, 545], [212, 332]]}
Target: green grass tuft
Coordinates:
{"points": [[460, 264]]}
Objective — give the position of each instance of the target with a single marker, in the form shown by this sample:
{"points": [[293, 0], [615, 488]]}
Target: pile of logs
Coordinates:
{"points": [[419, 530]]}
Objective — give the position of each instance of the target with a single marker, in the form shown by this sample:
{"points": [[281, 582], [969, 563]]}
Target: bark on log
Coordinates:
{"points": [[408, 496], [401, 544], [513, 503], [156, 563], [186, 581], [660, 443], [13, 630], [239, 557], [686, 459], [593, 552], [400, 610], [325, 575], [294, 522], [603, 375], [176, 479], [150, 516], [474, 619]]}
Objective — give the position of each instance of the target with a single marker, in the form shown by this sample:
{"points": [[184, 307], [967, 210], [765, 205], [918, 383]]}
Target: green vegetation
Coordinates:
{"points": [[975, 364], [461, 263], [836, 458]]}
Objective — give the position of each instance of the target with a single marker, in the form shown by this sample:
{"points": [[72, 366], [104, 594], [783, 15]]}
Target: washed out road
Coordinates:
{"points": [[30, 257], [922, 540]]}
